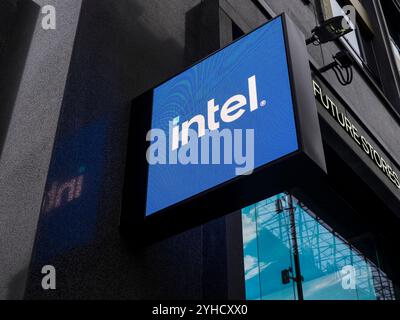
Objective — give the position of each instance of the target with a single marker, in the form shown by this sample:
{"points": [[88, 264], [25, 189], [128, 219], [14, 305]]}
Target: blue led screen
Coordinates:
{"points": [[244, 86]]}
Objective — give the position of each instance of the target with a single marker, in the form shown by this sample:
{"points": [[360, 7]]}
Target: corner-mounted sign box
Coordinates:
{"points": [[253, 97]]}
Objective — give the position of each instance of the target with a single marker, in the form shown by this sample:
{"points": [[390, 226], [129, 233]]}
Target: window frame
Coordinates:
{"points": [[363, 25]]}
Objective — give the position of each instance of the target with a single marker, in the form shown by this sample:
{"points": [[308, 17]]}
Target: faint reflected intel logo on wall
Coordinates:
{"points": [[63, 192], [73, 192]]}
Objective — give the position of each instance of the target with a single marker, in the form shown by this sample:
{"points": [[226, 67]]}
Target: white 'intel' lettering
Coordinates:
{"points": [[231, 110]]}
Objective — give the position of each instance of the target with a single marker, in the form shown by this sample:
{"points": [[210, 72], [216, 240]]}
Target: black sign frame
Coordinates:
{"points": [[299, 169]]}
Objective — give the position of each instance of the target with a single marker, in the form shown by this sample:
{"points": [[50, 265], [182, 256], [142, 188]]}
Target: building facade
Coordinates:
{"points": [[65, 113]]}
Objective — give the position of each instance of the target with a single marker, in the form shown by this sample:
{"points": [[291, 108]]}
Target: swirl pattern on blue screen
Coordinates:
{"points": [[261, 56]]}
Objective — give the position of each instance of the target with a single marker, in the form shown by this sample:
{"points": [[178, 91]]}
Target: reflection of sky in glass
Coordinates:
{"points": [[263, 264], [322, 252]]}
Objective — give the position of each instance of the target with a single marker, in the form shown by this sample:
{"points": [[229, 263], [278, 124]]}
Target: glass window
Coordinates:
{"points": [[396, 53], [267, 251], [323, 256], [391, 11], [280, 229]]}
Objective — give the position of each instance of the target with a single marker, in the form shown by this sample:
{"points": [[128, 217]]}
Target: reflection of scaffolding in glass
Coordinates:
{"points": [[331, 252], [383, 286]]}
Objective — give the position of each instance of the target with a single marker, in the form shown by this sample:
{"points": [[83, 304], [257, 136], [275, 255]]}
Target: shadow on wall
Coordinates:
{"points": [[119, 52], [17, 24], [202, 41], [17, 285]]}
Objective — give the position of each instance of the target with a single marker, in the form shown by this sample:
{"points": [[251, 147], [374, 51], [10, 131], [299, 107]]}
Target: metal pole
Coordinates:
{"points": [[298, 277]]}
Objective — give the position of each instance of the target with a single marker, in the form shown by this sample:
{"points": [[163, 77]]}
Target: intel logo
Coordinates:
{"points": [[198, 141], [231, 110]]}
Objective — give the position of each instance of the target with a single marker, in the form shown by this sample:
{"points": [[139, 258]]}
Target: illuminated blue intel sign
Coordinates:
{"points": [[243, 88]]}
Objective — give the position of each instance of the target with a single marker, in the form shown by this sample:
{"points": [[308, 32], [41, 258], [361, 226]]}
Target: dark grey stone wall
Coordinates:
{"points": [[28, 143], [121, 49]]}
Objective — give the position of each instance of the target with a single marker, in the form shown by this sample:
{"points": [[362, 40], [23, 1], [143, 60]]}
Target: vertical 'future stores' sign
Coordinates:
{"points": [[228, 131]]}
